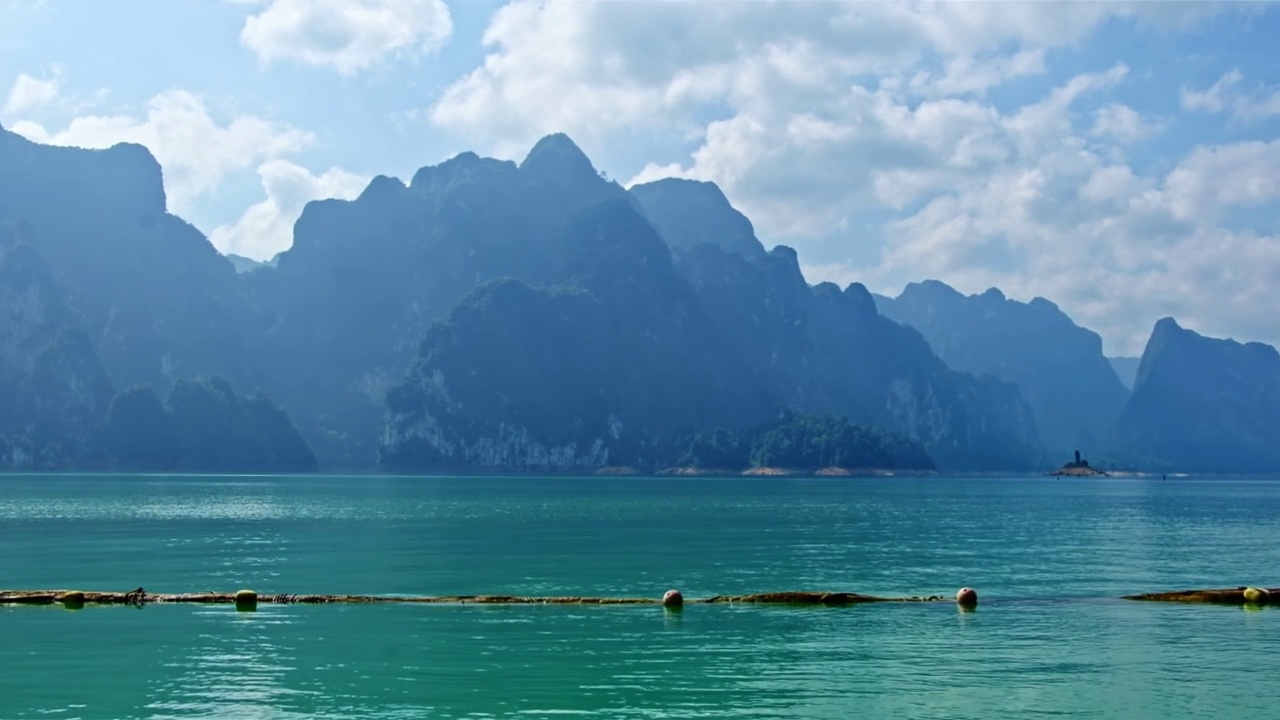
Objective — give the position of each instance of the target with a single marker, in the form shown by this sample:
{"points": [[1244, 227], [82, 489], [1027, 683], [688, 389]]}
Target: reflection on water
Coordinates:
{"points": [[234, 668], [1046, 639]]}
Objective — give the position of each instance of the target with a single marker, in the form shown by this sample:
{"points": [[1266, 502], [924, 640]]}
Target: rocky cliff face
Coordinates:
{"points": [[688, 213], [1058, 366], [153, 295], [642, 351], [101, 287], [561, 328], [827, 350], [53, 389], [613, 364], [365, 279], [1203, 405], [32, 308]]}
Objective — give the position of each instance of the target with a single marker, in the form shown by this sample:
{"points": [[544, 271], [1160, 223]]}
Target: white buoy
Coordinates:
{"points": [[672, 599], [967, 597]]}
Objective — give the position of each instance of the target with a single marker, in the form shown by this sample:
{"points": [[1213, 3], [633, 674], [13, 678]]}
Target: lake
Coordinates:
{"points": [[1049, 558]]}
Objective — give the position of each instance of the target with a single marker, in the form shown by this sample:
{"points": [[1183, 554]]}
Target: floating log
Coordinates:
{"points": [[1225, 596], [77, 598], [814, 598], [241, 599]]}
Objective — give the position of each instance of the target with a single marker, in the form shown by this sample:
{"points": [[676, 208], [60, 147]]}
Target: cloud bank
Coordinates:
{"points": [[870, 130]]}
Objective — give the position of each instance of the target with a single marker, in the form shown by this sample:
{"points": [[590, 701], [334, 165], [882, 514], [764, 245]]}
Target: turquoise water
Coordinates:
{"points": [[1047, 556]]}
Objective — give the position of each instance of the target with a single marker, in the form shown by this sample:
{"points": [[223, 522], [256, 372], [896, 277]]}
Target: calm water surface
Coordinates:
{"points": [[1048, 558]]}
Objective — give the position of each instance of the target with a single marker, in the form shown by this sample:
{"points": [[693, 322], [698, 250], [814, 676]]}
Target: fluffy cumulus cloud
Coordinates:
{"points": [[196, 152], [346, 35], [29, 94], [267, 227], [814, 116]]}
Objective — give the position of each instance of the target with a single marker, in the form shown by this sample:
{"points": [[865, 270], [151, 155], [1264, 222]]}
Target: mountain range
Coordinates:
{"points": [[499, 317]]}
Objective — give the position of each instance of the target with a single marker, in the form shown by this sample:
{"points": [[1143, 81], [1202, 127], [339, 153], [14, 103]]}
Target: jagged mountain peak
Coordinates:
{"points": [[463, 164], [1074, 393], [125, 177], [557, 156], [1203, 404], [1165, 325], [689, 213], [929, 289]]}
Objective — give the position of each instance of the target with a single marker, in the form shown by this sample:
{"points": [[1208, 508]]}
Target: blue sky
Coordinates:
{"points": [[1119, 159]]}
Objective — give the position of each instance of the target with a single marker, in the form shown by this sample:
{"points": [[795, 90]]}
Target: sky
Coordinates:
{"points": [[1120, 159]]}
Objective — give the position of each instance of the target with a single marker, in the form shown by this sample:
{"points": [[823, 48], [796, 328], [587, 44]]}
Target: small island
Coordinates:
{"points": [[1078, 468]]}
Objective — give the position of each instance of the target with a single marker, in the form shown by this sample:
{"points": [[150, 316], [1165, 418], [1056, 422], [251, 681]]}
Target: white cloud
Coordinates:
{"points": [[1213, 180], [267, 227], [196, 152], [29, 94], [811, 115], [1116, 250], [591, 68], [347, 35], [1229, 95], [1213, 98], [1123, 124], [967, 74]]}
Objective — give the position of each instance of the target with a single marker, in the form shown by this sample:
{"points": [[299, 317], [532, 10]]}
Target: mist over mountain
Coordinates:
{"points": [[156, 299], [496, 316], [1202, 404], [350, 302], [1126, 369], [100, 288], [244, 264], [1074, 394]]}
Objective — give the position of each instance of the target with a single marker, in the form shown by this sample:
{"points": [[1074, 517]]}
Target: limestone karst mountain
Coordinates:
{"points": [[1201, 404], [1074, 394]]}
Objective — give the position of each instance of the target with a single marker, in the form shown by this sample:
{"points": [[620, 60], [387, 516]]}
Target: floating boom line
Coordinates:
{"points": [[248, 599]]}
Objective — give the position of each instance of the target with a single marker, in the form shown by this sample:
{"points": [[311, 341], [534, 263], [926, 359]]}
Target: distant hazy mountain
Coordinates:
{"points": [[243, 264], [352, 299], [624, 347], [53, 389], [1074, 394], [155, 298], [100, 288], [1203, 405], [206, 426], [1126, 369], [527, 316], [688, 213]]}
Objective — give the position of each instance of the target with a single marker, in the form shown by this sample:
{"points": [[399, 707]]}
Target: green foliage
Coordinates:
{"points": [[608, 366], [219, 431], [62, 402], [719, 448], [806, 442], [139, 432], [207, 427], [15, 453]]}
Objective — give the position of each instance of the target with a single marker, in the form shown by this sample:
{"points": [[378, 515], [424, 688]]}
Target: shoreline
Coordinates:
{"points": [[630, 472]]}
